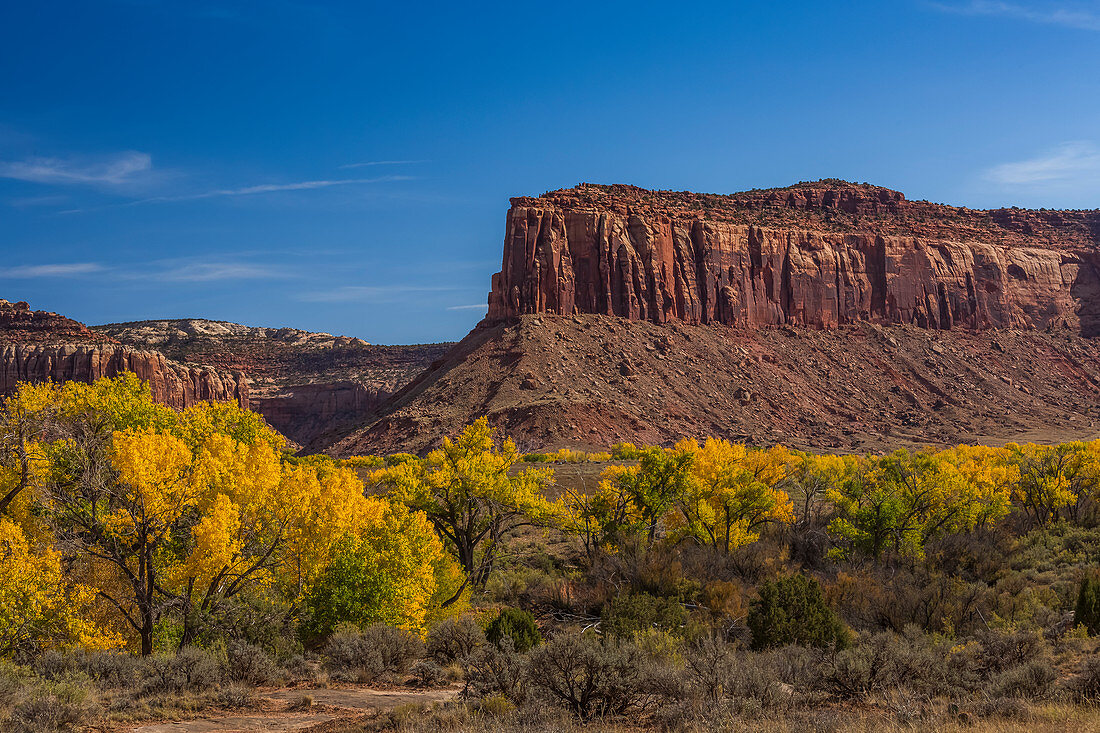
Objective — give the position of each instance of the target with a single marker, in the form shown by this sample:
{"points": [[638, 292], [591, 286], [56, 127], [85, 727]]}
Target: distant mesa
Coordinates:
{"points": [[307, 385]]}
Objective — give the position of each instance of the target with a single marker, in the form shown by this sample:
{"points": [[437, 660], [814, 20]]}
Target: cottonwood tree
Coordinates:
{"points": [[731, 493], [899, 501], [473, 498]]}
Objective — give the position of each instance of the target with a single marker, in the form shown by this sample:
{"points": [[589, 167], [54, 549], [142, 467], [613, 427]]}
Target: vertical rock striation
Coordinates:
{"points": [[815, 255], [39, 346]]}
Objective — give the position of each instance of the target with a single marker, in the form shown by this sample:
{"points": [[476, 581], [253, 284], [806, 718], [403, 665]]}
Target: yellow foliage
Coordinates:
{"points": [[39, 606], [468, 491], [733, 491]]}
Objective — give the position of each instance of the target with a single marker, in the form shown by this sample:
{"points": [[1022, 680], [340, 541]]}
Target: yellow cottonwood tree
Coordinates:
{"points": [[39, 606], [732, 492], [387, 571], [469, 493]]}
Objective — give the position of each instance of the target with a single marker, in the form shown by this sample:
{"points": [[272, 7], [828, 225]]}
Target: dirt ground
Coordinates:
{"points": [[329, 704]]}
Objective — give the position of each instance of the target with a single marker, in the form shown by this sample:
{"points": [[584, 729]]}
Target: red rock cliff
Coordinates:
{"points": [[38, 346], [816, 255]]}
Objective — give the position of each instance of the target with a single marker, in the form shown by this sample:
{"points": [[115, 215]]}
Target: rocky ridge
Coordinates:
{"points": [[589, 381], [37, 346]]}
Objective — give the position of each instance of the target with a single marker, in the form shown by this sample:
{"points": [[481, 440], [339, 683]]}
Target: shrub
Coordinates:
{"points": [[453, 639], [1086, 684], [496, 670], [1000, 649], [377, 650], [52, 706], [249, 663], [517, 625], [589, 678], [12, 679], [428, 673], [108, 669], [924, 664], [1087, 611], [753, 680], [234, 695], [710, 663], [792, 610], [191, 670], [1032, 680], [630, 614]]}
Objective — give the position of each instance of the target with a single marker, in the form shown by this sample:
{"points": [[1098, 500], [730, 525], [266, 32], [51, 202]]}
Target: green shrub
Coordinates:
{"points": [[1087, 611], [627, 615], [792, 610], [517, 625]]}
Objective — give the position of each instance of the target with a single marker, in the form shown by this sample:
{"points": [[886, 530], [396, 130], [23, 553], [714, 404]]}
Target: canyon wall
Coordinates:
{"points": [[40, 346], [815, 255], [172, 384]]}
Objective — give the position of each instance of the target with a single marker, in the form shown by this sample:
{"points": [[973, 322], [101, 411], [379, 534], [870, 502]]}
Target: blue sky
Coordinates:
{"points": [[346, 167]]}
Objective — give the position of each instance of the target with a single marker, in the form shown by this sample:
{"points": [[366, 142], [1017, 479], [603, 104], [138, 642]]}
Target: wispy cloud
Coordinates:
{"points": [[26, 202], [116, 170], [369, 163], [263, 188], [65, 269], [371, 293], [181, 270], [471, 307], [1071, 162], [1063, 14], [276, 187], [196, 272]]}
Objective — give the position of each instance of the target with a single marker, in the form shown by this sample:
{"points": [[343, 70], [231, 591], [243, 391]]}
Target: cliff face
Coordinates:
{"points": [[39, 346], [816, 255], [172, 384]]}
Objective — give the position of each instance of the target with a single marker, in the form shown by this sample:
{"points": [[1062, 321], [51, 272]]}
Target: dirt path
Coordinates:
{"points": [[334, 703]]}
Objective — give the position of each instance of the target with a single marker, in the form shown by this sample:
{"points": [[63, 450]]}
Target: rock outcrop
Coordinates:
{"points": [[816, 255], [172, 384], [39, 346]]}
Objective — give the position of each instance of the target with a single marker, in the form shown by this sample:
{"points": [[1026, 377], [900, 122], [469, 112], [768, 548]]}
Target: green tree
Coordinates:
{"points": [[517, 625], [387, 573], [1087, 611], [792, 610]]}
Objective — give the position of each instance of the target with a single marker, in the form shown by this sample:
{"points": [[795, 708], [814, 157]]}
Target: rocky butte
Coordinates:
{"points": [[823, 315], [816, 255], [305, 384]]}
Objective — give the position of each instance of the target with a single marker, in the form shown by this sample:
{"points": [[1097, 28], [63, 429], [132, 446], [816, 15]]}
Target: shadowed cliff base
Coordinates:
{"points": [[590, 381]]}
